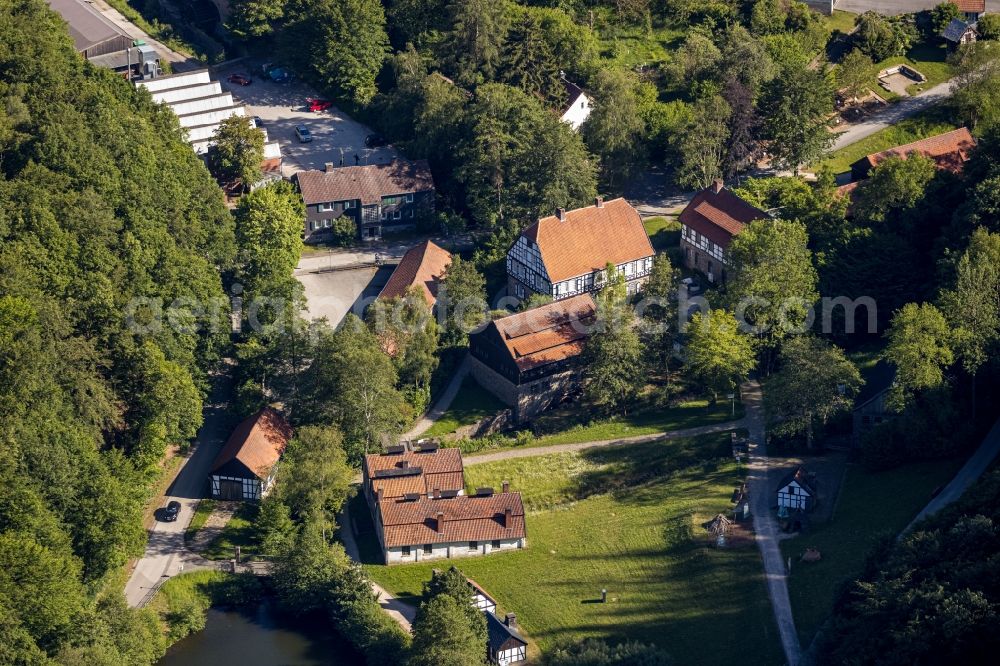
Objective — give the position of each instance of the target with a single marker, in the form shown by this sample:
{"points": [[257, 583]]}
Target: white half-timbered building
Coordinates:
{"points": [[565, 254], [795, 492], [245, 468], [505, 644]]}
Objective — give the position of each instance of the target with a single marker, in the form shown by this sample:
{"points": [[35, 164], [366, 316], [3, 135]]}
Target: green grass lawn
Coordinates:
{"points": [[239, 532], [201, 514], [633, 45], [645, 420], [472, 403], [931, 60], [840, 20], [626, 519], [929, 122], [663, 232], [871, 504]]}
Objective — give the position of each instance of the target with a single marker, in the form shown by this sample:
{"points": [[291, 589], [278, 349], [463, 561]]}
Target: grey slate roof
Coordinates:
{"points": [[499, 633], [954, 31], [87, 26]]}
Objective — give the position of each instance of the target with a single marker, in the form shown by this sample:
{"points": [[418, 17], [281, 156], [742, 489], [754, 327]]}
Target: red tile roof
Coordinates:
{"points": [[414, 522], [441, 470], [718, 214], [422, 265], [949, 151], [365, 183], [257, 442], [588, 238], [971, 6], [548, 333]]}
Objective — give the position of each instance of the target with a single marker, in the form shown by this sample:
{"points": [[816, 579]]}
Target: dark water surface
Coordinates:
{"points": [[260, 636]]}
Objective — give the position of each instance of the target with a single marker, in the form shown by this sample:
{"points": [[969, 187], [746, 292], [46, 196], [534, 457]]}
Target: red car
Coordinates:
{"points": [[319, 104], [239, 79]]}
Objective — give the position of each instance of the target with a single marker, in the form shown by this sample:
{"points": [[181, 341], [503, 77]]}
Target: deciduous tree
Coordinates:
{"points": [[238, 151], [919, 346], [795, 106], [717, 354], [444, 636]]}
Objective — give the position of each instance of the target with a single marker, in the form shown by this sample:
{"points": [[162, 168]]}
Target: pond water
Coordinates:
{"points": [[261, 636]]}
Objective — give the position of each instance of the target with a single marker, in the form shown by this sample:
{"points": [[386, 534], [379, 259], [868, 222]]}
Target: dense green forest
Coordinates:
{"points": [[103, 207]]}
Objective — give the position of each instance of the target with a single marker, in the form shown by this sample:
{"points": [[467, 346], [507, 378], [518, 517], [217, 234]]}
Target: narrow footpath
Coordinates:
{"points": [[442, 405], [764, 524]]}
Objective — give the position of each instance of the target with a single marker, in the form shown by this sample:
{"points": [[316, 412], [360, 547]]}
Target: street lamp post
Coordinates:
{"points": [[732, 402]]}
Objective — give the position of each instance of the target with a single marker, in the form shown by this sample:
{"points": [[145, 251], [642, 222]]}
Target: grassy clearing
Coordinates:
{"points": [[931, 60], [472, 403], [663, 232], [840, 20], [646, 420], [627, 520], [240, 532], [635, 45], [871, 504], [920, 126]]}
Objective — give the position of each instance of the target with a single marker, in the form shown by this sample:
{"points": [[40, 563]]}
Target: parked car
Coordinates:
{"points": [[172, 511], [305, 136], [258, 121], [318, 104], [240, 80], [275, 73], [375, 140]]}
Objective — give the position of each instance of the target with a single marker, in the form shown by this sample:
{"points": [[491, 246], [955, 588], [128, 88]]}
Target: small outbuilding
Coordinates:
{"points": [[796, 492], [245, 468], [959, 32], [505, 645]]}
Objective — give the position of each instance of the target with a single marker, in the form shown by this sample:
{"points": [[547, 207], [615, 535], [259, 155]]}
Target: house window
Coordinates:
{"points": [[324, 207], [326, 224], [396, 214], [409, 198], [428, 549], [348, 204], [406, 551], [473, 546], [383, 215], [496, 545]]}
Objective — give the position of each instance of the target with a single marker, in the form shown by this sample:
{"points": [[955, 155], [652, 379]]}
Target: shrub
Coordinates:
{"points": [[989, 26]]}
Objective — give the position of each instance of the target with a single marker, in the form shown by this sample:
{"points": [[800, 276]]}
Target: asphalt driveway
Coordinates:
{"points": [[282, 106]]}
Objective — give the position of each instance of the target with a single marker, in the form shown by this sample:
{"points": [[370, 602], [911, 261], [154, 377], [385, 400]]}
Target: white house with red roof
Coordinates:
{"points": [[565, 254], [708, 224]]}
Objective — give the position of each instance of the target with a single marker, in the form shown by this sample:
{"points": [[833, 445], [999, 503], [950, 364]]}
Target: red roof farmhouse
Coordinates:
{"points": [[528, 359], [565, 254], [423, 265], [244, 469], [708, 224], [420, 510], [950, 151]]}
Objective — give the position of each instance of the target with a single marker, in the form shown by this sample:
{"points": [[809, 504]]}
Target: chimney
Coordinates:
{"points": [[510, 620], [437, 493], [404, 464], [508, 517], [329, 167], [599, 202], [717, 185], [561, 214], [378, 496], [439, 522], [506, 486]]}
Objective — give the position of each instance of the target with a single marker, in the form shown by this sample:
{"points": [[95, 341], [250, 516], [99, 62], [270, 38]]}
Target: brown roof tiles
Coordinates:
{"points": [[971, 6], [365, 183], [257, 442], [422, 265], [548, 333], [718, 214], [588, 238], [441, 469], [949, 151], [414, 522]]}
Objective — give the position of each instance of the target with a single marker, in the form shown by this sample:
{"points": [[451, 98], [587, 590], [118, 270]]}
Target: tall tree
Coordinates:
{"points": [[897, 184], [269, 233], [659, 312], [772, 281], [703, 145], [613, 129], [815, 382], [249, 19], [743, 127], [613, 352], [453, 583], [444, 636], [479, 30], [314, 479], [919, 346], [462, 296], [854, 72], [795, 106], [238, 151], [717, 354]]}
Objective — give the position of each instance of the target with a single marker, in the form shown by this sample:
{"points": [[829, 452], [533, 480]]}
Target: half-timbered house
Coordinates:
{"points": [[505, 644], [796, 492], [245, 468]]}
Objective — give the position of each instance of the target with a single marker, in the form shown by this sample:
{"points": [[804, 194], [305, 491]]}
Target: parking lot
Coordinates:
{"points": [[337, 137]]}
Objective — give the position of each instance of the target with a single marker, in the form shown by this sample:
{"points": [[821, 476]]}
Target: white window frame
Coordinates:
{"points": [[409, 198], [348, 204], [324, 207]]}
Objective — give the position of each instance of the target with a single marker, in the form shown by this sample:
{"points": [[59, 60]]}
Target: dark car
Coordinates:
{"points": [[258, 121], [240, 80], [172, 511], [375, 140], [305, 136]]}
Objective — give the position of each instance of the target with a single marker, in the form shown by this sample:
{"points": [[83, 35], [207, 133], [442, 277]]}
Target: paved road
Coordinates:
{"points": [[165, 554], [401, 612], [442, 405], [969, 474], [178, 61], [531, 452], [764, 524], [893, 113]]}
